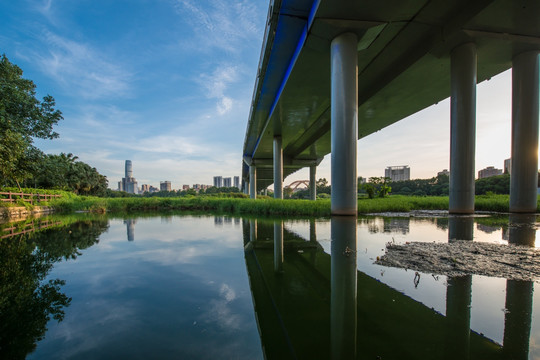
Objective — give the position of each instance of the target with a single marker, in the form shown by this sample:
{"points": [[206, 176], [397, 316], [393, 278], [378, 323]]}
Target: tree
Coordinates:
{"points": [[22, 118], [377, 185], [323, 187], [66, 173]]}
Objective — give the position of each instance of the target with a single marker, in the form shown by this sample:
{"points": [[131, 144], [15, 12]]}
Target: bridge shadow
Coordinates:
{"points": [[310, 304]]}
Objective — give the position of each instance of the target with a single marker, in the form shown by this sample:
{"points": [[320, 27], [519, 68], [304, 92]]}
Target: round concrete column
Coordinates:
{"points": [[462, 128], [252, 181], [344, 123], [278, 168], [312, 182], [524, 172]]}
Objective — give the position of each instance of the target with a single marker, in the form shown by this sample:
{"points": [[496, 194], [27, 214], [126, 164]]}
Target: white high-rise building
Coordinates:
{"points": [[398, 173]]}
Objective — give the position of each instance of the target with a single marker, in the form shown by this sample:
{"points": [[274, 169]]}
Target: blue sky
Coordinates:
{"points": [[168, 85]]}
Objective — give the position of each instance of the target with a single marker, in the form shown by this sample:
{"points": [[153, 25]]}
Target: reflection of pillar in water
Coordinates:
{"points": [[130, 226], [343, 287], [458, 295], [245, 231], [460, 228], [312, 231], [522, 229], [519, 294], [517, 319], [458, 316], [253, 229], [278, 246]]}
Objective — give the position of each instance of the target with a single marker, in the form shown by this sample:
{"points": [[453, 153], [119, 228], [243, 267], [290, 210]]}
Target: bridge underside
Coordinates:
{"points": [[403, 66]]}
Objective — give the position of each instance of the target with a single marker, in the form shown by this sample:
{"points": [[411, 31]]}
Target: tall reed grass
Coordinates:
{"points": [[395, 203]]}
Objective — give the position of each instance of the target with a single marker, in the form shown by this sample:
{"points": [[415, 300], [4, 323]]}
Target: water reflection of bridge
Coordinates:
{"points": [[309, 304]]}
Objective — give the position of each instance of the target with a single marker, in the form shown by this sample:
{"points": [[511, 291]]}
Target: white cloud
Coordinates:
{"points": [[221, 24], [217, 83], [80, 69], [225, 105]]}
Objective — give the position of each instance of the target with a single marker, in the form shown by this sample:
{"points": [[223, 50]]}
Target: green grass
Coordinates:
{"points": [[70, 202], [395, 203]]}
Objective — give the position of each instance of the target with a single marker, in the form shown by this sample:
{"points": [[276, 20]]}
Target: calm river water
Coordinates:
{"points": [[180, 286]]}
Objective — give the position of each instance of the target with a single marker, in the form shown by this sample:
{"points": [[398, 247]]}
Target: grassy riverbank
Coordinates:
{"points": [[70, 202], [396, 203]]}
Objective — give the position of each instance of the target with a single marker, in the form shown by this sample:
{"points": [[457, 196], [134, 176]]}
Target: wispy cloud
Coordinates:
{"points": [[217, 83], [221, 24], [80, 69]]}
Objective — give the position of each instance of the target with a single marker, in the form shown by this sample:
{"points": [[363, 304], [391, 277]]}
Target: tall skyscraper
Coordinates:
{"points": [[236, 182], [227, 182], [128, 184], [218, 181]]}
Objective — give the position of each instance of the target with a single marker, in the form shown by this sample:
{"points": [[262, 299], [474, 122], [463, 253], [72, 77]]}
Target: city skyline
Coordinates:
{"points": [[169, 85]]}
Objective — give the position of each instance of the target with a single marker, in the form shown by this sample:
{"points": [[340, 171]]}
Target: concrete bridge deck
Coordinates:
{"points": [[403, 57]]}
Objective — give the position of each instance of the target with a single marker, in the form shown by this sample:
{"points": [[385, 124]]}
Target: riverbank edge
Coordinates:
{"points": [[10, 213], [272, 207]]}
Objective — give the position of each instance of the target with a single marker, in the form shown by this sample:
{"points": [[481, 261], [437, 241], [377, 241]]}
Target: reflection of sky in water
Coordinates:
{"points": [[179, 290]]}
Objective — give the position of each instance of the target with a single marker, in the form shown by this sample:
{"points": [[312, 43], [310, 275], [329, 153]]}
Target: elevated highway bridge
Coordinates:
{"points": [[333, 72]]}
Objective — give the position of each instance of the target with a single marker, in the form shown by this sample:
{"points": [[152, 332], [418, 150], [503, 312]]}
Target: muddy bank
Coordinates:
{"points": [[463, 257]]}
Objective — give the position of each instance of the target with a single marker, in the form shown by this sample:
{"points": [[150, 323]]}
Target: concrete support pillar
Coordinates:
{"points": [[344, 123], [278, 246], [524, 173], [343, 297], [462, 128], [278, 168], [252, 181], [313, 182]]}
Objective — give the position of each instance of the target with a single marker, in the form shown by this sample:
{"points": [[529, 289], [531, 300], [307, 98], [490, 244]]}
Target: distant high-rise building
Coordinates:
{"points": [[128, 183], [185, 187], [227, 182], [398, 173], [218, 181], [507, 166], [236, 182], [489, 171], [165, 186]]}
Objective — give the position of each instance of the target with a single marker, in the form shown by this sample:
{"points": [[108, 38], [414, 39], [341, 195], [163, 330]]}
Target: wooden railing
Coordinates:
{"points": [[31, 198], [30, 227]]}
